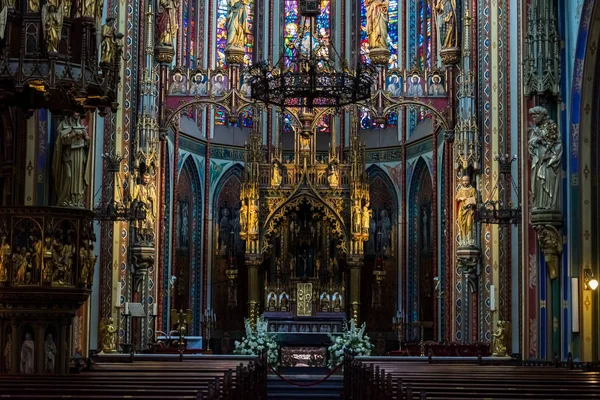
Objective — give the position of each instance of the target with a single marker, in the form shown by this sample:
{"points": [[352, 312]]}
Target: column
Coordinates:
{"points": [[355, 265], [253, 288]]}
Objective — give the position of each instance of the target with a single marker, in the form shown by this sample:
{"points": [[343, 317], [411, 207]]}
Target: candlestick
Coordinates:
{"points": [[154, 309], [126, 308]]}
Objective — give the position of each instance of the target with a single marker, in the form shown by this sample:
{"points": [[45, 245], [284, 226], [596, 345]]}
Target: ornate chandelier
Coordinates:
{"points": [[306, 76]]}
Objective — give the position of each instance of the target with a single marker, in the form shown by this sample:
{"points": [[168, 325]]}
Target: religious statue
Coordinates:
{"points": [[7, 352], [337, 302], [27, 355], [107, 332], [377, 23], [4, 6], [446, 23], [545, 148], [109, 44], [334, 178], [253, 218], [33, 5], [276, 178], [272, 302], [50, 354], [224, 230], [84, 264], [237, 23], [144, 193], [366, 218], [466, 200], [63, 261], [356, 218], [324, 303], [5, 253], [88, 8], [48, 259], [501, 340], [167, 22], [53, 20], [243, 217], [20, 262], [36, 257], [284, 302], [71, 166]]}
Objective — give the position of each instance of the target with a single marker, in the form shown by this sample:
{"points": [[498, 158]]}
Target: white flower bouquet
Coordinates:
{"points": [[352, 340], [258, 340]]}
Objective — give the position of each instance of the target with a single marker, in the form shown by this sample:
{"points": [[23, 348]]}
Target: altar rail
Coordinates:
{"points": [[391, 378]]}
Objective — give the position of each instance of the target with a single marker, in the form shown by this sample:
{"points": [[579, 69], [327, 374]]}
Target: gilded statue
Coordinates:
{"points": [[377, 23], [356, 218], [334, 178], [324, 303], [276, 178], [33, 5], [87, 260], [99, 11], [466, 201], [108, 44], [272, 302], [337, 302], [243, 217], [366, 218], [545, 148], [107, 332], [52, 18], [501, 341], [446, 23], [21, 261], [167, 22], [5, 253], [88, 8], [237, 23], [63, 262], [48, 259], [253, 218], [70, 165], [284, 302], [144, 192], [66, 6]]}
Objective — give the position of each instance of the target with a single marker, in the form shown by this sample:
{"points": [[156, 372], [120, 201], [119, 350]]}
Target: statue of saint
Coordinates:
{"points": [[243, 217], [145, 193], [33, 5], [284, 302], [27, 355], [4, 6], [53, 20], [466, 200], [88, 8], [167, 22], [545, 148], [377, 23], [334, 178], [337, 302], [224, 230], [356, 218], [501, 340], [325, 302], [5, 253], [253, 218], [276, 178], [107, 331], [108, 45], [272, 302], [70, 165], [446, 23], [237, 23], [366, 218], [7, 352], [50, 353]]}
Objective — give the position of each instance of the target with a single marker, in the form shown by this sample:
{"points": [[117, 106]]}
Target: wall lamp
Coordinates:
{"points": [[591, 283]]}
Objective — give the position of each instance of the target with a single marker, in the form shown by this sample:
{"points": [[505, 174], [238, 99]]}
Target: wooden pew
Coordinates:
{"points": [[391, 378]]}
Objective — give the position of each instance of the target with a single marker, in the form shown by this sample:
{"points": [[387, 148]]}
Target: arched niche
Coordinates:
{"points": [[228, 249], [420, 299], [379, 302]]}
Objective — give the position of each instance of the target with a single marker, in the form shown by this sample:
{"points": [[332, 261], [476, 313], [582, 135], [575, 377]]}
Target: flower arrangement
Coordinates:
{"points": [[257, 340], [351, 339]]}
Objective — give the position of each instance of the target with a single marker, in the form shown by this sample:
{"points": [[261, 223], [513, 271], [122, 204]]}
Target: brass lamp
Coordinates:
{"points": [[591, 283]]}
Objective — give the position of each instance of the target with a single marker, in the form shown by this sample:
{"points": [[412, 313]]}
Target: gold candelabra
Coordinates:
{"points": [[183, 320], [210, 321]]}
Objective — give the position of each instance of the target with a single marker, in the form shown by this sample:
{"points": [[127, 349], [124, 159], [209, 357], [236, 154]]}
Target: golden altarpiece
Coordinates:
{"points": [[304, 221]]}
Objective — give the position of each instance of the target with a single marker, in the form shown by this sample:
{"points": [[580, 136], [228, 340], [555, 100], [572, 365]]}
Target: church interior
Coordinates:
{"points": [[240, 191]]}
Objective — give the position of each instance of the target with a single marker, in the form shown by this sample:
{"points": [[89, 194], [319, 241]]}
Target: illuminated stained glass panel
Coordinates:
{"points": [[222, 7], [424, 34], [186, 15], [192, 50], [293, 26], [392, 33]]}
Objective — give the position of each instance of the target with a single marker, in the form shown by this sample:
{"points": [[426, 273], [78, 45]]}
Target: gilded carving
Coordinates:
{"points": [[5, 253], [334, 178], [107, 333], [167, 22], [108, 45], [377, 23], [144, 192], [52, 17], [237, 23], [446, 23], [466, 202], [501, 342], [550, 241], [304, 299]]}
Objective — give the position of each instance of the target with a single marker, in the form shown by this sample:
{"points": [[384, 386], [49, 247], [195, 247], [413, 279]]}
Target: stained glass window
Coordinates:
{"points": [[392, 33], [424, 34], [293, 25], [222, 7]]}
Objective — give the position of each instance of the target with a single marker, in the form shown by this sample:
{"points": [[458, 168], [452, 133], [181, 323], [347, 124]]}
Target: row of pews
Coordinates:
{"points": [[206, 377], [407, 378]]}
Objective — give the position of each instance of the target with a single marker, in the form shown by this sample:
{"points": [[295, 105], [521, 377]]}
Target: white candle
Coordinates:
{"points": [[154, 309], [126, 308]]}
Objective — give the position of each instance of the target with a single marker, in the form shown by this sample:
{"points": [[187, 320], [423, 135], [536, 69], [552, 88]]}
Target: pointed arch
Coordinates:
{"points": [[420, 268]]}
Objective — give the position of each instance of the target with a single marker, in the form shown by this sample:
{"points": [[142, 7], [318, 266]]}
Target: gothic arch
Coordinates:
{"points": [[189, 205], [420, 268]]}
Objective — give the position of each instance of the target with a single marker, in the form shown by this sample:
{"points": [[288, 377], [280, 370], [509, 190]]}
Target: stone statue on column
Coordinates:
{"points": [[167, 22], [108, 44], [237, 23], [446, 23], [27, 355], [377, 23], [466, 202], [144, 192], [71, 166], [545, 148]]}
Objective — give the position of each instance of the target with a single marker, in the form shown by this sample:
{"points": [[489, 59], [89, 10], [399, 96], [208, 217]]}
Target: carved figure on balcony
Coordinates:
{"points": [[324, 302], [366, 218], [50, 354], [334, 178], [337, 302], [145, 192], [48, 259], [63, 262], [545, 148], [33, 5], [88, 8], [167, 22], [243, 217], [237, 23], [37, 256], [27, 355], [253, 218], [21, 263], [466, 202], [84, 264], [109, 44], [66, 6], [377, 23], [446, 23], [70, 166], [107, 332], [276, 178], [356, 219], [52, 18], [5, 253]]}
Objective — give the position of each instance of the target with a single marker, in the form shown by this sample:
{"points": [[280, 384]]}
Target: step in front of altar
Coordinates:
{"points": [[281, 322]]}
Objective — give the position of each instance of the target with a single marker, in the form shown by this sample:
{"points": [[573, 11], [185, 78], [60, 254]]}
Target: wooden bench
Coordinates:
{"points": [[203, 377], [378, 378]]}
